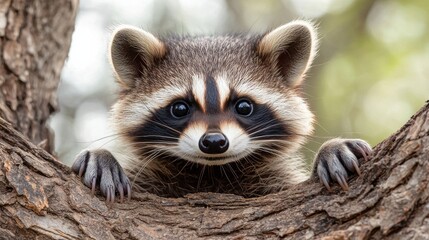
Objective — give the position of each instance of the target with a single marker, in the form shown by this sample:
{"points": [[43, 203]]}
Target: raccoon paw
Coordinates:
{"points": [[338, 159], [100, 168]]}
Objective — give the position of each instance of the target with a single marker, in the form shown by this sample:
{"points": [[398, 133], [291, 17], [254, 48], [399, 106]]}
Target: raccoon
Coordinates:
{"points": [[213, 114]]}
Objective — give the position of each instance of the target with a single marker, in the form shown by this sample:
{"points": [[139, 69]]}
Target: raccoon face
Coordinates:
{"points": [[213, 100]]}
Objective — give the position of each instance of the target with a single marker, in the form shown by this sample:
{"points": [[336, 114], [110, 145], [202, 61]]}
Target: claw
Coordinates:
{"points": [[81, 169], [342, 181], [93, 186], [129, 191], [367, 150], [108, 196], [356, 167], [326, 183], [363, 153], [112, 194], [121, 192]]}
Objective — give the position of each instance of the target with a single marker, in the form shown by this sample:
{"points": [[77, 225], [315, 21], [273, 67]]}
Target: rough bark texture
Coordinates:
{"points": [[35, 38], [39, 196]]}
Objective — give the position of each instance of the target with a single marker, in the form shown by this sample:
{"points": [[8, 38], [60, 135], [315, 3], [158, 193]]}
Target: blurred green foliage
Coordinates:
{"points": [[377, 79]]}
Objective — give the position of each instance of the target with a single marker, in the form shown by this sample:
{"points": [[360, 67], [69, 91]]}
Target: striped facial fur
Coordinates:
{"points": [[212, 101]]}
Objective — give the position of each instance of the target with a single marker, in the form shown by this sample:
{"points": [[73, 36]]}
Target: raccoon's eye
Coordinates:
{"points": [[179, 109], [244, 107]]}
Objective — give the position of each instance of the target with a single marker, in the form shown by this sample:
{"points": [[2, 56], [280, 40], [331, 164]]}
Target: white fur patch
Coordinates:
{"points": [[223, 89], [188, 143], [136, 110], [257, 91], [238, 139], [199, 90]]}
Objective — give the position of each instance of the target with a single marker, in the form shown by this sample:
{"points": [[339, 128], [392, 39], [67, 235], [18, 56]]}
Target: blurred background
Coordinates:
{"points": [[371, 74]]}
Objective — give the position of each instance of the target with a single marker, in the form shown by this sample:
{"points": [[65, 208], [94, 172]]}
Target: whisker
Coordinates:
{"points": [[226, 175], [265, 128], [237, 180], [172, 129], [259, 138], [99, 139], [201, 177], [153, 142], [184, 166], [147, 160], [160, 136], [258, 125]]}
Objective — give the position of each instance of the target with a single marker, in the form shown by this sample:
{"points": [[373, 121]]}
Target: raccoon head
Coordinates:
{"points": [[213, 100]]}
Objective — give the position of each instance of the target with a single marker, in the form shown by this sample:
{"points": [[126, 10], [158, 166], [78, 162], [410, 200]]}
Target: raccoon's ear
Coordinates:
{"points": [[133, 52], [290, 49]]}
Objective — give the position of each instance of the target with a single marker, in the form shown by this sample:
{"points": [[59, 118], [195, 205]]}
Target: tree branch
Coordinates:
{"points": [[39, 196]]}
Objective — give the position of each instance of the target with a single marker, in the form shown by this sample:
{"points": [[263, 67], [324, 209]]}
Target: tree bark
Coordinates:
{"points": [[35, 39], [40, 197]]}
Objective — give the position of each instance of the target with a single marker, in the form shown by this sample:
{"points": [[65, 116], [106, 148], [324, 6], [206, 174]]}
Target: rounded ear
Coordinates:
{"points": [[132, 53], [290, 50]]}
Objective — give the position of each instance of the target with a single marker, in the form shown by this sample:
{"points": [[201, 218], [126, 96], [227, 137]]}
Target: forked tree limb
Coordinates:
{"points": [[39, 196]]}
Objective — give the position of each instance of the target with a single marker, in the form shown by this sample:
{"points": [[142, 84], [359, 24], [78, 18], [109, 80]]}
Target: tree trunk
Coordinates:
{"points": [[35, 38], [40, 197]]}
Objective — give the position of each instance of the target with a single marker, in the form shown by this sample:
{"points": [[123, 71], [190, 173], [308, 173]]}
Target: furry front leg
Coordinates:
{"points": [[100, 168], [338, 159]]}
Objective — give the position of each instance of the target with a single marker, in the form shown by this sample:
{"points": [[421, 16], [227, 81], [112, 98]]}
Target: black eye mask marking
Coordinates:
{"points": [[161, 127], [164, 127], [262, 124]]}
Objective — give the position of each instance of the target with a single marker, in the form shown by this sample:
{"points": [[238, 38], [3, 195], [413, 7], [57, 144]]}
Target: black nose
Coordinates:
{"points": [[214, 143]]}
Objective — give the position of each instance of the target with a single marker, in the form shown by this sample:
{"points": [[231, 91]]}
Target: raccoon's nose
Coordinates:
{"points": [[213, 143]]}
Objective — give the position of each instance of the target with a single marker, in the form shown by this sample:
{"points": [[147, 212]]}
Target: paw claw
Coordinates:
{"points": [[129, 191], [342, 181], [326, 183], [81, 169], [363, 153], [112, 195], [365, 149], [121, 192], [93, 186], [356, 167], [108, 197]]}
